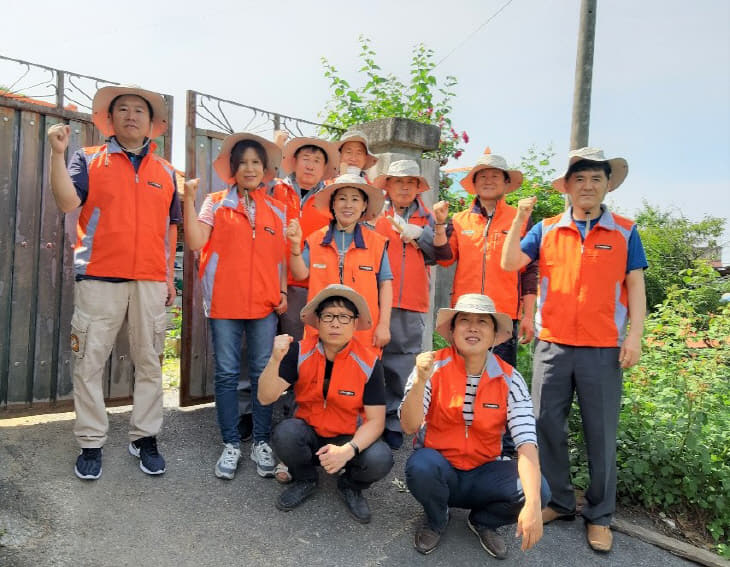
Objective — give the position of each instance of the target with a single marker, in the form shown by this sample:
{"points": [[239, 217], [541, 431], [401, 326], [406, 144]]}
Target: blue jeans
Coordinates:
{"points": [[492, 491], [227, 335]]}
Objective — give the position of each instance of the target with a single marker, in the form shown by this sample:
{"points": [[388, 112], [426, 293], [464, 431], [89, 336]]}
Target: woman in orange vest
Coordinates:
{"points": [[243, 275], [460, 400], [347, 251]]}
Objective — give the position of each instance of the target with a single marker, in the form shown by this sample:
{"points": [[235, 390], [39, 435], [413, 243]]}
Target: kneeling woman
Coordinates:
{"points": [[460, 399], [243, 273]]}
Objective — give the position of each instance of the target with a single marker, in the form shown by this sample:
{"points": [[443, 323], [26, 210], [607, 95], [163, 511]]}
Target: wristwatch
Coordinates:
{"points": [[354, 447]]}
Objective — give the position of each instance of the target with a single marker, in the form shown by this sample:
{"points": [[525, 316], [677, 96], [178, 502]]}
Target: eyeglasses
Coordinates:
{"points": [[342, 318]]}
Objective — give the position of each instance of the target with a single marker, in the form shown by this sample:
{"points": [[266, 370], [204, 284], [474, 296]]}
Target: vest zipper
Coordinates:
{"points": [[486, 243], [402, 276], [466, 431]]}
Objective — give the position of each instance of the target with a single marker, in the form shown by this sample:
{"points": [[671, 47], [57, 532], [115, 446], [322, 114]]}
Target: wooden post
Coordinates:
{"points": [[583, 75]]}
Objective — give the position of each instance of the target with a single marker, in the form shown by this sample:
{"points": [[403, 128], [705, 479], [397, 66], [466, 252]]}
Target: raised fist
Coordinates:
{"points": [[424, 365], [58, 137], [281, 347], [441, 211]]}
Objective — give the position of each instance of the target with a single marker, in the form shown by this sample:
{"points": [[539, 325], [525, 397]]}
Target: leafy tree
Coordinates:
{"points": [[674, 243], [381, 95]]}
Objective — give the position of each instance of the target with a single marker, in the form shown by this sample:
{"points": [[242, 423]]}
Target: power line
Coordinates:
{"points": [[472, 34]]}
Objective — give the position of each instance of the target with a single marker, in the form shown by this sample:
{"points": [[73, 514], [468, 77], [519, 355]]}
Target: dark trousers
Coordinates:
{"points": [[492, 491], [596, 376], [296, 444]]}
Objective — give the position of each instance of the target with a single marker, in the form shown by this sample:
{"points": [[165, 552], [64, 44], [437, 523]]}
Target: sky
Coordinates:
{"points": [[661, 77]]}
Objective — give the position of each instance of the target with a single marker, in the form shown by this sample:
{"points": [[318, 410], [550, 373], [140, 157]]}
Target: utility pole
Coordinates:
{"points": [[583, 76]]}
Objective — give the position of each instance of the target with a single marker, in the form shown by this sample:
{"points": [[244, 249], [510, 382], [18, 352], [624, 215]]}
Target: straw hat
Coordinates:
{"points": [[619, 167], [222, 163], [403, 168], [288, 161], [104, 97], [357, 136], [474, 303], [375, 195], [364, 320], [492, 161]]}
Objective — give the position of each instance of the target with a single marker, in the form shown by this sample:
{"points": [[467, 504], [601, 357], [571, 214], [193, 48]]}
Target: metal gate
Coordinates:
{"points": [[209, 120], [36, 240]]}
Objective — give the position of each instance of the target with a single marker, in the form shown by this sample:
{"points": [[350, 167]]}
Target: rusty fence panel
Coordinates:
{"points": [[36, 241], [209, 120]]}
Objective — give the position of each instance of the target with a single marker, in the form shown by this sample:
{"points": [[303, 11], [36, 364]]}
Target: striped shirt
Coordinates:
{"points": [[520, 417]]}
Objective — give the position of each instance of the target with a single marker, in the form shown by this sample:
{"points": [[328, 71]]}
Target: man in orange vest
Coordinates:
{"points": [[459, 401], [124, 263], [591, 264], [416, 239], [337, 382]]}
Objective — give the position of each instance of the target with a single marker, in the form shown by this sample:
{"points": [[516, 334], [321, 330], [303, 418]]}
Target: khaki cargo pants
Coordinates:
{"points": [[99, 311]]}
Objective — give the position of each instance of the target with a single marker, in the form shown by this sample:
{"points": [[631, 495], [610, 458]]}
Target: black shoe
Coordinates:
{"points": [[88, 464], [150, 460], [491, 541], [355, 502], [245, 427], [426, 539], [298, 492], [394, 439]]}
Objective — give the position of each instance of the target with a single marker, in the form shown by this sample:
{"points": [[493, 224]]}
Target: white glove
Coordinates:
{"points": [[411, 232]]}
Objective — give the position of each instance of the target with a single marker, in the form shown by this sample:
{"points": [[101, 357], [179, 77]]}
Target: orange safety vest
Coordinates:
{"points": [[444, 429], [477, 245], [583, 299], [123, 224], [310, 218], [411, 275], [240, 264], [351, 370], [359, 270]]}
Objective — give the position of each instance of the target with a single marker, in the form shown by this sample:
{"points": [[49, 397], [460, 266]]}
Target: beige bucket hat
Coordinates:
{"points": [[492, 161], [364, 320], [619, 167], [222, 163], [104, 97], [288, 160], [357, 136], [474, 303], [402, 168], [375, 195]]}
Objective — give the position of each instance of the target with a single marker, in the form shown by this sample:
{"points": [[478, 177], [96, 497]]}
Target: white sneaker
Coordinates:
{"points": [[263, 456], [228, 462]]}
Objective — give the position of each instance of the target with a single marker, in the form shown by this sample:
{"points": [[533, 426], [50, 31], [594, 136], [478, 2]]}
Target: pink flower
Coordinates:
{"points": [[457, 155], [465, 137], [462, 202]]}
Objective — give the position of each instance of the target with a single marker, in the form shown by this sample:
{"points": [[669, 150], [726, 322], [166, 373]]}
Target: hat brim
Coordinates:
{"points": [[515, 178], [222, 163], [619, 172], [446, 314], [381, 182], [364, 319], [288, 160], [370, 159], [375, 198], [104, 97]]}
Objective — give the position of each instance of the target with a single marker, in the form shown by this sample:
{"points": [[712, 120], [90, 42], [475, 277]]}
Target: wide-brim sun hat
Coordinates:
{"points": [[474, 303], [357, 136], [364, 319], [492, 161], [104, 97], [402, 168], [619, 167], [375, 195], [288, 161], [222, 163]]}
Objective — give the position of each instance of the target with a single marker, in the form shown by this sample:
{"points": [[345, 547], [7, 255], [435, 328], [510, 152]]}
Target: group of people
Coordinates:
{"points": [[323, 276]]}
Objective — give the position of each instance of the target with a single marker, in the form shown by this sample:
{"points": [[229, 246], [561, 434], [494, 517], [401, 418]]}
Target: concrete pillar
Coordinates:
{"points": [[393, 139]]}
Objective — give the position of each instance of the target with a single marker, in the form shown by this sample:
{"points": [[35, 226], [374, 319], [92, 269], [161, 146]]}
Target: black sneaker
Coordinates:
{"points": [[150, 460], [355, 502], [297, 493], [245, 427], [88, 464], [394, 439], [491, 541]]}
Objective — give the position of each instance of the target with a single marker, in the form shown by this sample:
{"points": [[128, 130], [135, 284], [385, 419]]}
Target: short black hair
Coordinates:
{"points": [[506, 175], [312, 148], [338, 301], [589, 165], [147, 102], [240, 148], [453, 321]]}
